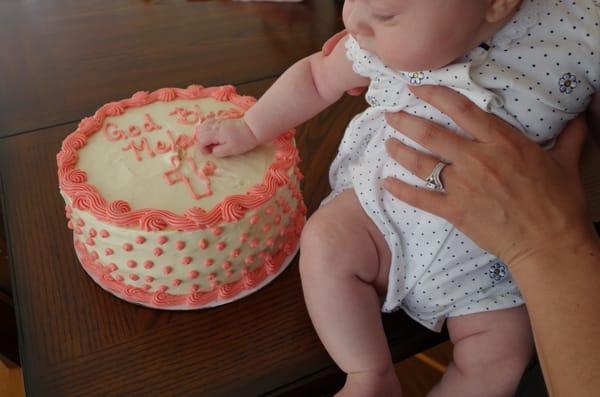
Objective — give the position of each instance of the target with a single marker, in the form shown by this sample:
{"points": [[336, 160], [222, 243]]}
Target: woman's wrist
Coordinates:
{"points": [[573, 248]]}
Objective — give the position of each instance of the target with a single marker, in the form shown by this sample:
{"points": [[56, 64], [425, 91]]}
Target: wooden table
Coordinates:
{"points": [[60, 61]]}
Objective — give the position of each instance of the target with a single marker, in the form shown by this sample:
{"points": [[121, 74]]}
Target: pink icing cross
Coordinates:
{"points": [[174, 175]]}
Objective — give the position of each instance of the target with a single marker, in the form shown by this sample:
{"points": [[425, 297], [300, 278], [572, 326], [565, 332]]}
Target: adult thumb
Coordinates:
{"points": [[569, 145]]}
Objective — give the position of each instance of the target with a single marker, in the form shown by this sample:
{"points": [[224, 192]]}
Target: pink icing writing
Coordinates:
{"points": [[138, 148], [175, 175]]}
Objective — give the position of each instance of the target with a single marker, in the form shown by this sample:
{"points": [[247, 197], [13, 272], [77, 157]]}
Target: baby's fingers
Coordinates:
{"points": [[206, 137], [222, 150]]}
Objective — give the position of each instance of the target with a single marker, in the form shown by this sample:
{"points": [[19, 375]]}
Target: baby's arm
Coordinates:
{"points": [[304, 90]]}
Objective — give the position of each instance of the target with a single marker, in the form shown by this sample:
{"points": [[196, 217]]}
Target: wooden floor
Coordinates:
{"points": [[417, 374]]}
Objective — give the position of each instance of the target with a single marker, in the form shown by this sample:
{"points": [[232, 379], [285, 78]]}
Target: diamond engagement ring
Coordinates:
{"points": [[433, 181]]}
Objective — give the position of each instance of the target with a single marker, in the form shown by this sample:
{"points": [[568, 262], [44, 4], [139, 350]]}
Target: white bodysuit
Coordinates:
{"points": [[537, 73]]}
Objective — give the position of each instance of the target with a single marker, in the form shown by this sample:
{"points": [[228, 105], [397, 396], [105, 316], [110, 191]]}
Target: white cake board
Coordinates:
{"points": [[217, 302]]}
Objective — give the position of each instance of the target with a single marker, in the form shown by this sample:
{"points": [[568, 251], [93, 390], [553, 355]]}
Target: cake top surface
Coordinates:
{"points": [[135, 163]]}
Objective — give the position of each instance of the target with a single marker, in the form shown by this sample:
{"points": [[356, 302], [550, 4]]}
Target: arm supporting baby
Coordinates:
{"points": [[304, 90], [551, 247]]}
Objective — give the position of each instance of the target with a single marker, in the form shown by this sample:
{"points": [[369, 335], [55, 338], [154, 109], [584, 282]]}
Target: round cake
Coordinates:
{"points": [[157, 223]]}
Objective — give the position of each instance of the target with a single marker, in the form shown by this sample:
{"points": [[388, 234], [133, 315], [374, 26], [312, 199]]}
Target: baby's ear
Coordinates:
{"points": [[500, 9]]}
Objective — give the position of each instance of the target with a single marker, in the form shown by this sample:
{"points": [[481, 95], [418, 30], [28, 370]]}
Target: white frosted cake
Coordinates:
{"points": [[158, 223]]}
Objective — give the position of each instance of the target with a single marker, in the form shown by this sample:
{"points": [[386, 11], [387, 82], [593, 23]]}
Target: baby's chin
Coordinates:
{"points": [[412, 65]]}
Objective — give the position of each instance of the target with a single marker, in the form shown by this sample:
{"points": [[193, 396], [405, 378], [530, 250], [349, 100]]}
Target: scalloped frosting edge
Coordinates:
{"points": [[86, 197]]}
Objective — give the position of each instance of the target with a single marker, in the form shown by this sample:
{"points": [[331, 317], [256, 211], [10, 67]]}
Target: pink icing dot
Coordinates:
{"points": [[176, 282], [104, 233], [254, 243], [269, 210], [162, 239], [269, 241], [266, 228], [131, 263], [92, 232], [80, 222], [134, 277], [94, 255], [229, 273], [149, 279], [146, 287], [109, 251], [180, 245], [221, 245], [193, 274], [140, 239], [90, 241], [203, 244], [78, 230], [254, 220], [127, 247], [112, 267], [208, 261], [186, 260], [70, 225], [118, 277], [277, 219], [226, 265], [249, 259], [194, 288], [212, 277], [148, 264], [157, 251], [167, 269], [235, 253], [244, 237], [163, 288], [217, 231]]}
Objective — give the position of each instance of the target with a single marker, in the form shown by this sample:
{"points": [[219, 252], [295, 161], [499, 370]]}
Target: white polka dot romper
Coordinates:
{"points": [[537, 73]]}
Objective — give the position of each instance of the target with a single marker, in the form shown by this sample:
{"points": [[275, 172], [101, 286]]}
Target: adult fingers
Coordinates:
{"points": [[570, 144], [420, 164], [482, 126], [444, 143], [428, 200]]}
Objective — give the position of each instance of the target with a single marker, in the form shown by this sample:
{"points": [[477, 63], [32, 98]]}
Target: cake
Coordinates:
{"points": [[157, 223]]}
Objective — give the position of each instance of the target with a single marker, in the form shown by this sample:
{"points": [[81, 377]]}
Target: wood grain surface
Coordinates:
{"points": [[79, 340], [61, 59]]}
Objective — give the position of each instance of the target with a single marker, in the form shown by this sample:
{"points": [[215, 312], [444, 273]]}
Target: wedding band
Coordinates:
{"points": [[433, 181]]}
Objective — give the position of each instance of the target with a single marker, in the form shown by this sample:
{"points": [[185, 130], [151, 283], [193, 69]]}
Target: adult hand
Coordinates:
{"points": [[503, 191]]}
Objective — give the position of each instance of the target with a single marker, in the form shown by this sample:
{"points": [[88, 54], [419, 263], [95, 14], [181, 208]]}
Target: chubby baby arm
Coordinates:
{"points": [[305, 89]]}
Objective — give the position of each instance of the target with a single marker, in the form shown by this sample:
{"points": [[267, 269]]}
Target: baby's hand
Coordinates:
{"points": [[225, 137]]}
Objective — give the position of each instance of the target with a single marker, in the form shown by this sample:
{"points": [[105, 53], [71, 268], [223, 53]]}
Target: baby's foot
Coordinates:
{"points": [[371, 384]]}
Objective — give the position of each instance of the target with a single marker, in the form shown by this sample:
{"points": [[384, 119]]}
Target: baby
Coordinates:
{"points": [[534, 63]]}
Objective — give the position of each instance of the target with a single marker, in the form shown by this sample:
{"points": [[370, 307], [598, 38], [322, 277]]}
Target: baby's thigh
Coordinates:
{"points": [[498, 344], [342, 238]]}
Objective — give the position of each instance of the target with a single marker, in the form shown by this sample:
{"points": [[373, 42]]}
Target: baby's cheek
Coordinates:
{"points": [[416, 55]]}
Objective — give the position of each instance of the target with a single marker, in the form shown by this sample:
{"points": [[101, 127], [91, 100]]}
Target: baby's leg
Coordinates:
{"points": [[344, 265], [491, 352]]}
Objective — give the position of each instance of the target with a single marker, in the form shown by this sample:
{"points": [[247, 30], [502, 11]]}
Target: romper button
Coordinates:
{"points": [[498, 271]]}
